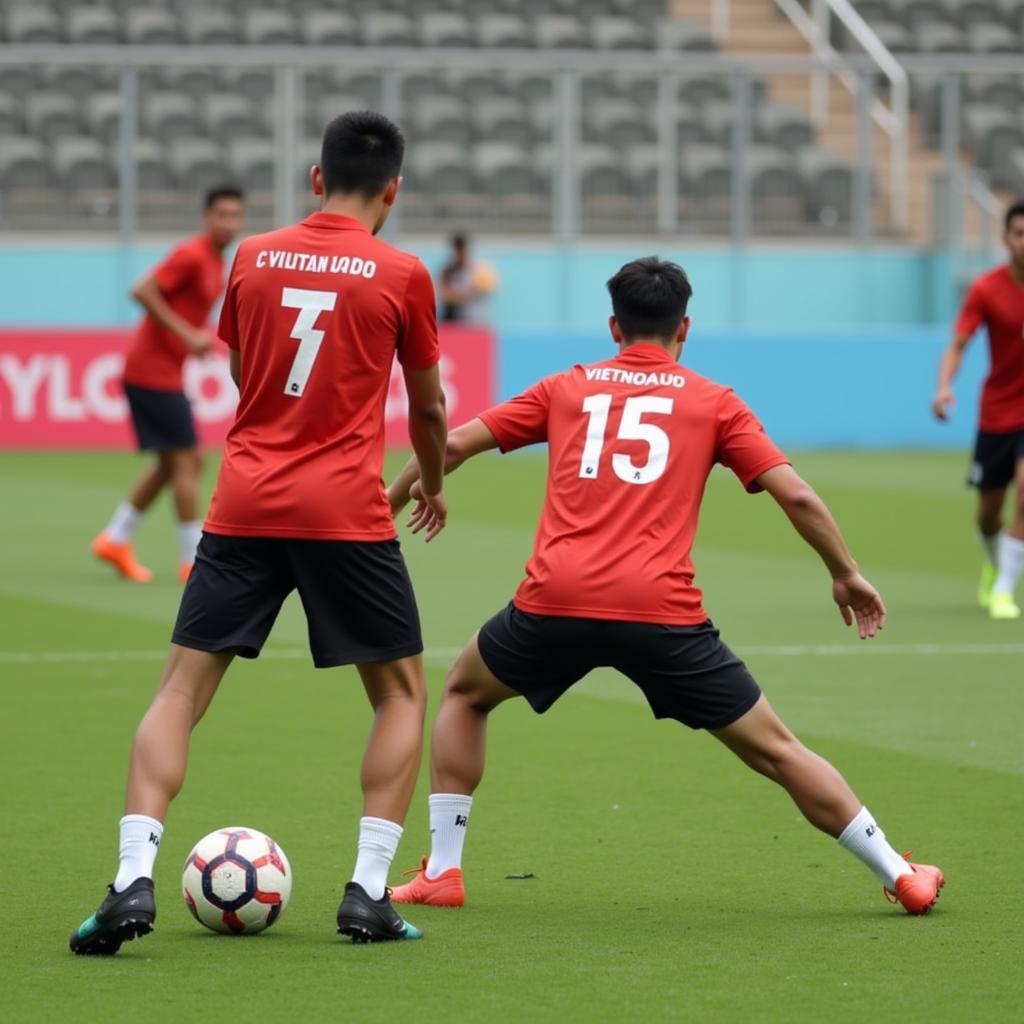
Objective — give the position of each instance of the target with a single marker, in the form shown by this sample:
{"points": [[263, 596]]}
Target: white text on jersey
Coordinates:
{"points": [[638, 378], [282, 259]]}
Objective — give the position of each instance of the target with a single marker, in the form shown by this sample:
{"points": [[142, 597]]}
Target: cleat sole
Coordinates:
{"points": [[109, 944]]}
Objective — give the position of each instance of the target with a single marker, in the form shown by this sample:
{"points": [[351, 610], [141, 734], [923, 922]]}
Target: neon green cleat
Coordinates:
{"points": [[1003, 606], [987, 582]]}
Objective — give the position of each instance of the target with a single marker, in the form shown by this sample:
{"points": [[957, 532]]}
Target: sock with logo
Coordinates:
{"points": [[378, 842], [123, 523], [990, 545], [866, 841], [1011, 564], [188, 539], [449, 818], [140, 843]]}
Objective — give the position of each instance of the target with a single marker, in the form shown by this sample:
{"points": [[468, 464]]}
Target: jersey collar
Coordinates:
{"points": [[323, 219], [647, 352]]}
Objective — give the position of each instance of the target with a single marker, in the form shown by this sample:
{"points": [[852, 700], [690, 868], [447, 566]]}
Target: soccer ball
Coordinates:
{"points": [[237, 881]]}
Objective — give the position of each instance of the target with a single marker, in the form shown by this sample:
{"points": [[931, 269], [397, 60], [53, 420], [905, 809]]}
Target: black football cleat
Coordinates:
{"points": [[120, 917], [367, 920]]}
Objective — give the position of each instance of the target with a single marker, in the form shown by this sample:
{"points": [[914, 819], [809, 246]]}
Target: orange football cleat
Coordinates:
{"points": [[121, 557], [446, 890], [184, 571], [917, 892]]}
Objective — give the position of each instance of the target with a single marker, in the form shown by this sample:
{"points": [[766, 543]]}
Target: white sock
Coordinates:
{"points": [[378, 842], [123, 524], [866, 841], [1011, 564], [188, 539], [990, 545], [449, 818], [140, 843]]}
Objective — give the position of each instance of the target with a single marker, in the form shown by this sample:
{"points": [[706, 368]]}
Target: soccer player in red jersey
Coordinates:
{"points": [[631, 442], [314, 315], [177, 296], [996, 299]]}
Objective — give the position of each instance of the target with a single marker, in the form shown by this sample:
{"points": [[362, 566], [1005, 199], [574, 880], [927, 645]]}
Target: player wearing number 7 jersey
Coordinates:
{"points": [[631, 442], [314, 315]]}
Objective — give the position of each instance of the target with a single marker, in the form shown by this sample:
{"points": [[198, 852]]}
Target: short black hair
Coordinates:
{"points": [[361, 152], [1015, 210], [649, 298], [459, 240], [223, 192]]}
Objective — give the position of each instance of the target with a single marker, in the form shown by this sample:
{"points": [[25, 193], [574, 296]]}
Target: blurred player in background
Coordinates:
{"points": [[314, 316], [178, 296], [996, 300], [466, 286], [631, 442]]}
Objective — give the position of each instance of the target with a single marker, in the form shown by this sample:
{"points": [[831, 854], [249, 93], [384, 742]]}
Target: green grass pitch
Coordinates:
{"points": [[670, 883]]}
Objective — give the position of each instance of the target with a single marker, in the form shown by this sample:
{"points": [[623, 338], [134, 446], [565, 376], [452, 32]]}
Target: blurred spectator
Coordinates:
{"points": [[466, 285]]}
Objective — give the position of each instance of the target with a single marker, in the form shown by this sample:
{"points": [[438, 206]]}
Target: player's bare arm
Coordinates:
{"points": [[428, 432], [949, 367], [148, 294], [856, 597], [463, 443]]}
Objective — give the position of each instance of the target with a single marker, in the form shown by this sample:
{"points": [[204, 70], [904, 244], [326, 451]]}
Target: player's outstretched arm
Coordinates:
{"points": [[148, 295], [428, 432], [949, 367], [463, 443], [856, 597]]}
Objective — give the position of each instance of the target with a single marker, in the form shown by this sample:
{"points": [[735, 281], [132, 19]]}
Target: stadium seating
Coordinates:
{"points": [[481, 142]]}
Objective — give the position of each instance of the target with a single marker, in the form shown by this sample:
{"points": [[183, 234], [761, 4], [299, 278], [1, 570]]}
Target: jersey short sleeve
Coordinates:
{"points": [[178, 269], [972, 314], [418, 348], [743, 445], [522, 420]]}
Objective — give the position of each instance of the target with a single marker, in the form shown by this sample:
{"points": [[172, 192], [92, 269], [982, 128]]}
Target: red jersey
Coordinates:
{"points": [[317, 312], [997, 301], [191, 279], [631, 443]]}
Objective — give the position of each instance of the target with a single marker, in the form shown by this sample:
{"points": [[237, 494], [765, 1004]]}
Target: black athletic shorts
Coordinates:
{"points": [[357, 597], [995, 459], [685, 672], [162, 419]]}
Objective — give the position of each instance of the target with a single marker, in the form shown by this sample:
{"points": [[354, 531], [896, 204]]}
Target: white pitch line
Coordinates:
{"points": [[445, 654]]}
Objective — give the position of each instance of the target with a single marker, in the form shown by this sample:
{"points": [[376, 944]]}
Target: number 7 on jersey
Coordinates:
{"points": [[310, 305]]}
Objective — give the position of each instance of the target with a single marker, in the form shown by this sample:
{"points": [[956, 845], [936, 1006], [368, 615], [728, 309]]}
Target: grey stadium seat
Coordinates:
{"points": [[641, 89], [51, 114], [502, 120], [92, 25], [267, 26], [439, 119], [210, 25], [683, 34], [30, 24], [387, 28], [150, 164], [699, 89], [896, 37], [992, 133], [103, 115], [619, 33], [443, 28], [776, 185], [475, 84], [80, 163], [602, 171], [10, 122], [828, 186], [19, 80], [329, 28], [1006, 91], [717, 117], [938, 37], [78, 79], [530, 85], [196, 164], [150, 26], [620, 123], [440, 169], [252, 162], [168, 115], [979, 12], [707, 174], [992, 38], [196, 81], [424, 82], [503, 30], [560, 32], [1017, 171], [255, 82], [23, 163], [228, 116], [780, 124], [505, 169]]}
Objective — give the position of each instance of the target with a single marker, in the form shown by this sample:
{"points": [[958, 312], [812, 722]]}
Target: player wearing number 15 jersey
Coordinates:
{"points": [[314, 316], [631, 442]]}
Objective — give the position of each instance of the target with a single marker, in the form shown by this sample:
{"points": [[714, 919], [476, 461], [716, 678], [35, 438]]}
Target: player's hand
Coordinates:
{"points": [[430, 513], [200, 342], [858, 599], [942, 403]]}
